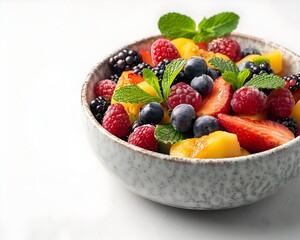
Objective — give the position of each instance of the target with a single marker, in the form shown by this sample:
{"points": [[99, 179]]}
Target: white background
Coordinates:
{"points": [[51, 184]]}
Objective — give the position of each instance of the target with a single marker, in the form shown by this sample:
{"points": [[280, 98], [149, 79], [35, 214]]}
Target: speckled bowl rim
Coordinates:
{"points": [[164, 157]]}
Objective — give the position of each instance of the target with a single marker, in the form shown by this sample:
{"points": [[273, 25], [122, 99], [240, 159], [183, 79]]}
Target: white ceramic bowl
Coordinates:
{"points": [[191, 183]]}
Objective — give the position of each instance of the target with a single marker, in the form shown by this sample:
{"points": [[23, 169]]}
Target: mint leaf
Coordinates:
{"points": [[260, 59], [167, 134], [134, 94], [242, 76], [170, 73], [266, 81], [175, 25], [152, 80], [224, 65], [231, 78], [217, 26]]}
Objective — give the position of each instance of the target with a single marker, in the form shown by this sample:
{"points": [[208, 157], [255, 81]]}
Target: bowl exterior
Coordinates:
{"points": [[192, 183]]}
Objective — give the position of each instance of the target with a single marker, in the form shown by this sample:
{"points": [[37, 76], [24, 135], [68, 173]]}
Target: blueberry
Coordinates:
{"points": [[202, 84], [213, 73], [151, 113], [244, 65], [205, 125], [182, 117], [248, 51], [194, 67]]}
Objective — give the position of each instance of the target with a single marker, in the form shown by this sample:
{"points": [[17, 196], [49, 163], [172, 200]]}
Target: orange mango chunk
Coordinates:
{"points": [[296, 113]]}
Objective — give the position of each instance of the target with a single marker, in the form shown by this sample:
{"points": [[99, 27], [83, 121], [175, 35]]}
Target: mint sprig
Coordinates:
{"points": [[167, 134], [266, 81], [175, 25], [232, 75], [135, 94]]}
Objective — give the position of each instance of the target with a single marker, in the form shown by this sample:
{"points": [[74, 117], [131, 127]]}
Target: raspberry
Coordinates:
{"points": [[184, 93], [162, 49], [249, 101], [280, 103], [116, 120], [143, 137], [226, 46], [104, 88]]}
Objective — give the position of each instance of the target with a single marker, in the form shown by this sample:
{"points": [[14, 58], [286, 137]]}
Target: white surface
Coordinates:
{"points": [[51, 184]]}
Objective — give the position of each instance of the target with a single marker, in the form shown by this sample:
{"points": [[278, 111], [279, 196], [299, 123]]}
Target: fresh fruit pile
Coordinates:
{"points": [[197, 94]]}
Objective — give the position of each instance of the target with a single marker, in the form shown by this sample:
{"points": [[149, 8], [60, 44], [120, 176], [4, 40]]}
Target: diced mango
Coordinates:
{"points": [[296, 113], [273, 57], [259, 116], [186, 47], [219, 144]]}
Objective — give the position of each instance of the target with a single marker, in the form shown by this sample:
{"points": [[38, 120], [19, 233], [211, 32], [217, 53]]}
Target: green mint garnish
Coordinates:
{"points": [[175, 25], [170, 74], [242, 76], [134, 94], [167, 134], [152, 80], [224, 65], [266, 81], [260, 59]]}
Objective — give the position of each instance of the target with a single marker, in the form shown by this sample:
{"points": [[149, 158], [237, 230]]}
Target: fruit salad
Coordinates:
{"points": [[195, 93]]}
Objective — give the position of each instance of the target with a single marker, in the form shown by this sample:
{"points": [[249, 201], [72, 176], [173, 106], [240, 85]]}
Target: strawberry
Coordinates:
{"points": [[218, 100], [135, 78], [202, 45], [146, 57], [256, 135]]}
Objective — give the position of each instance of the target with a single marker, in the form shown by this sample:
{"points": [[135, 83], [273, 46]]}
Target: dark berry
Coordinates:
{"points": [[205, 125], [202, 84], [135, 124], [290, 123], [183, 117], [114, 77], [249, 51], [124, 60], [138, 69], [151, 113], [292, 82], [194, 67], [98, 107], [244, 65], [213, 73]]}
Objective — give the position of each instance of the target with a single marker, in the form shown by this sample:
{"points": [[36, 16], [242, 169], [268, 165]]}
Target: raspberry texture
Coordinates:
{"points": [[116, 120], [184, 93], [143, 137], [249, 101], [162, 49], [104, 88], [280, 103], [226, 46]]}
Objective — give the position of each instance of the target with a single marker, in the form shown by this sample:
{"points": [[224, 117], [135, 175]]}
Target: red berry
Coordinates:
{"points": [[184, 93], [280, 103], [162, 49], [104, 88], [116, 120], [249, 101], [226, 46], [143, 137]]}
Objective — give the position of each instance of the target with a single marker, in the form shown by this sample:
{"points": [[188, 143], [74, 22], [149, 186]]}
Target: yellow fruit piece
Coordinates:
{"points": [[186, 47], [259, 116], [166, 118], [244, 152], [214, 145], [124, 80], [273, 57], [296, 113]]}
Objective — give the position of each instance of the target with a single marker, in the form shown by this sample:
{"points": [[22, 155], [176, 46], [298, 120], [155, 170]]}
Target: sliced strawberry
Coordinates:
{"points": [[135, 78], [296, 95], [256, 135], [218, 100], [146, 57], [202, 45]]}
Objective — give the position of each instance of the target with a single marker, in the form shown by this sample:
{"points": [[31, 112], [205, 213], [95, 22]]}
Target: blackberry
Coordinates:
{"points": [[290, 123], [138, 69], [98, 107], [124, 60], [292, 81], [256, 69], [160, 69], [114, 77]]}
